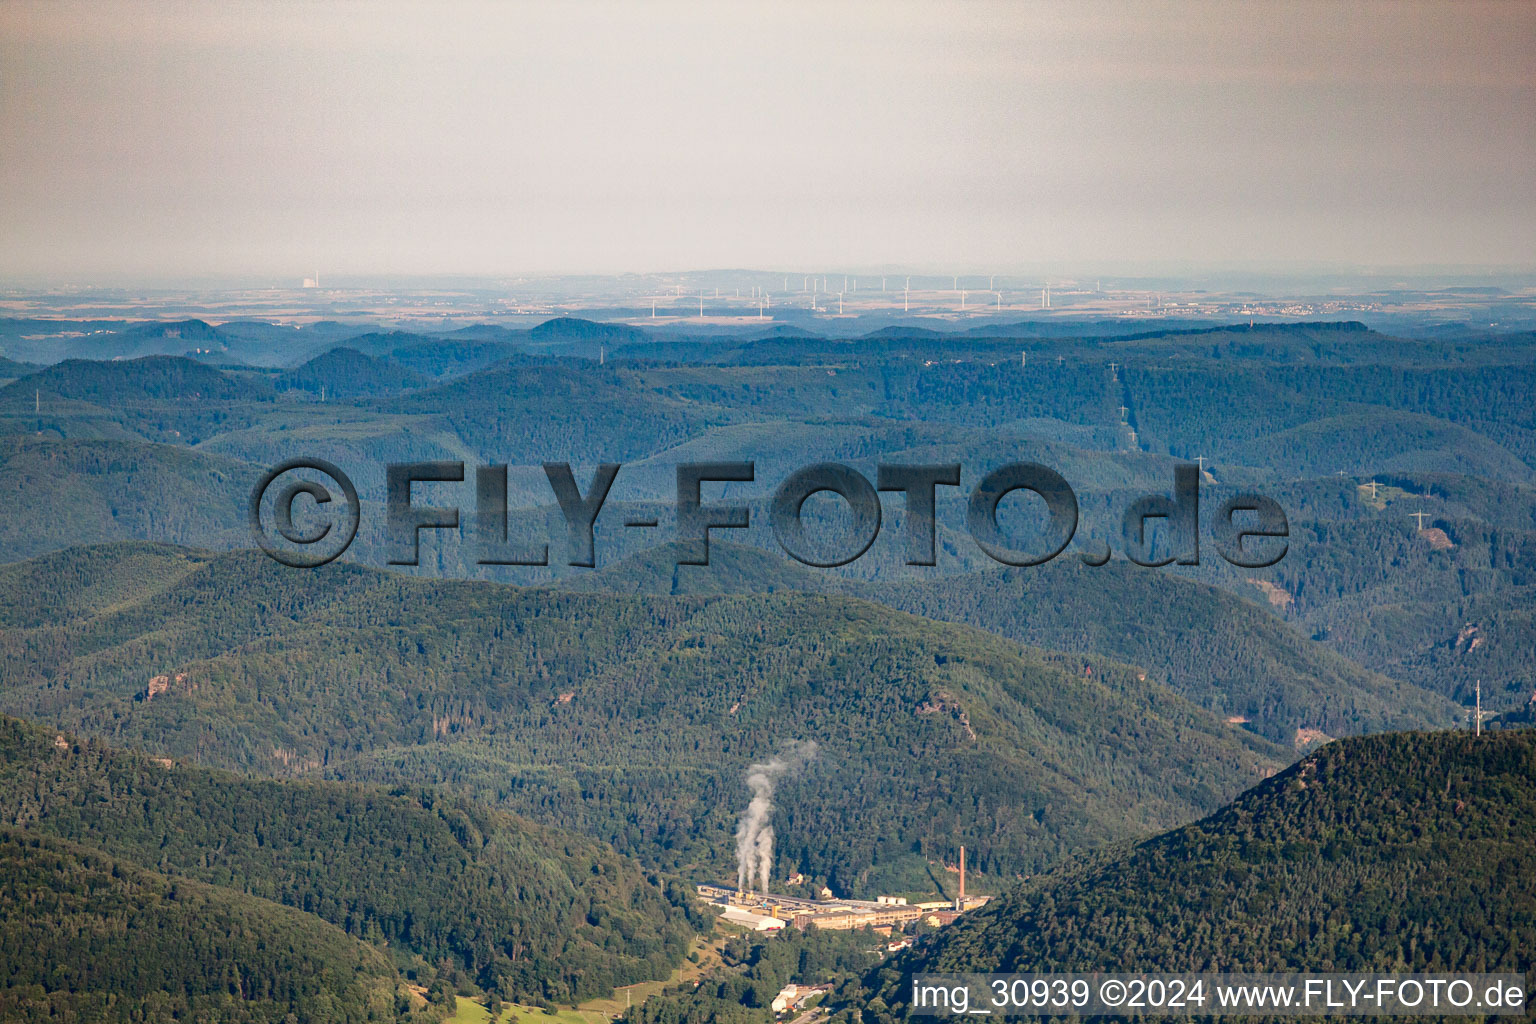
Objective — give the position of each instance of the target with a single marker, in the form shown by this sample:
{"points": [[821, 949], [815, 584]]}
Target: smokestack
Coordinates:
{"points": [[962, 872]]}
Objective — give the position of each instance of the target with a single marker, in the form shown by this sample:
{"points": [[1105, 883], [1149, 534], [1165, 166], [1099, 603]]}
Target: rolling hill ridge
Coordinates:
{"points": [[649, 708], [1408, 852], [518, 907]]}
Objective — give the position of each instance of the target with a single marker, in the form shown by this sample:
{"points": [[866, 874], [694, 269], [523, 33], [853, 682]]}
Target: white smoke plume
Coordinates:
{"points": [[754, 834]]}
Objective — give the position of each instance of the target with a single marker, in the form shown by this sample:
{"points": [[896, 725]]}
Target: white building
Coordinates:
{"points": [[757, 922], [786, 998]]}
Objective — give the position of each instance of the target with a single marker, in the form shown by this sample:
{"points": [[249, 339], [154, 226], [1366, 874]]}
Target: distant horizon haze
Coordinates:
{"points": [[167, 141]]}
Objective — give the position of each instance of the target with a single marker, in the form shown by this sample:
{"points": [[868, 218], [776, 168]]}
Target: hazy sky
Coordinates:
{"points": [[157, 138]]}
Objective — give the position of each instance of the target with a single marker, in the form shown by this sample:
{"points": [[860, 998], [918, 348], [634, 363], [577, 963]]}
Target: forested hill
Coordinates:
{"points": [[629, 718], [130, 381], [102, 490], [558, 409], [1211, 646], [87, 937], [732, 569], [1398, 852], [527, 910], [1221, 651], [347, 373], [10, 369]]}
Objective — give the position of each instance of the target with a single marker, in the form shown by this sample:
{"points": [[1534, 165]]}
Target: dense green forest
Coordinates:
{"points": [[755, 968], [1208, 645], [1407, 852], [100, 490], [522, 909], [453, 782], [1438, 423], [91, 938], [629, 718], [1218, 650]]}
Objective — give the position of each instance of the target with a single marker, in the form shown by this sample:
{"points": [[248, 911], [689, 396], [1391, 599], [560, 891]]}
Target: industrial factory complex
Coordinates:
{"points": [[768, 912]]}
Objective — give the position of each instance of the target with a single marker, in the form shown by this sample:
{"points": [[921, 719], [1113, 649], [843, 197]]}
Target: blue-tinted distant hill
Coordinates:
{"points": [[105, 340], [261, 343], [542, 410], [119, 382], [572, 336], [924, 333], [436, 356], [1304, 343], [380, 344], [157, 338], [451, 356], [10, 368], [344, 373], [155, 398], [1361, 418]]}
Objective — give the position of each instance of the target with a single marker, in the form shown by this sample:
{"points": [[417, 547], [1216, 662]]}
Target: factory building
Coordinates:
{"points": [[765, 912], [884, 915], [757, 922]]}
